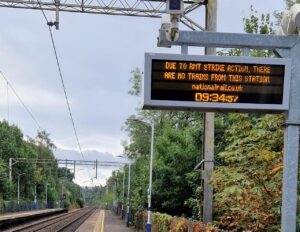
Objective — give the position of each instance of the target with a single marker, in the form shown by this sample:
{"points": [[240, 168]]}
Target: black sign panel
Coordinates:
{"points": [[217, 82]]}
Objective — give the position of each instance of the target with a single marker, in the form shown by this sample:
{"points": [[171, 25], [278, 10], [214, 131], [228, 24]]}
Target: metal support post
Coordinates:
{"points": [[291, 149], [47, 195], [35, 197], [10, 169], [56, 23], [62, 195], [114, 196], [83, 195], [184, 49], [284, 46], [148, 225], [18, 190], [19, 187], [128, 198], [74, 168], [123, 193], [208, 121], [96, 169]]}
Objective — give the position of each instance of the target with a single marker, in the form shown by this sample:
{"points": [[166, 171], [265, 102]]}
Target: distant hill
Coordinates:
{"points": [[85, 175], [90, 155]]}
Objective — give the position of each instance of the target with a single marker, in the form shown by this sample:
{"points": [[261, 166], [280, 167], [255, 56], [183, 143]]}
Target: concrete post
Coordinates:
{"points": [[208, 143], [10, 169]]}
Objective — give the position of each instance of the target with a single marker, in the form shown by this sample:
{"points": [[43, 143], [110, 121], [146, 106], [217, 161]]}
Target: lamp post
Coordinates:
{"points": [[128, 190], [128, 197], [19, 186], [115, 206], [35, 197], [148, 225], [122, 209], [47, 195]]}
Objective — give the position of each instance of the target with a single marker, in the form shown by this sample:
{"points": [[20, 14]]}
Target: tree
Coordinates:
{"points": [[248, 183], [177, 149], [248, 186]]}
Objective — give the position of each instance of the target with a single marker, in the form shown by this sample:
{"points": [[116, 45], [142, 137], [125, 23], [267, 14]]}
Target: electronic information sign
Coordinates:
{"points": [[215, 83]]}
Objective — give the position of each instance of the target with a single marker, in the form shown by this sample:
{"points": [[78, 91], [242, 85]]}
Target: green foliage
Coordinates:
{"points": [[178, 225], [13, 145], [248, 183], [65, 173], [161, 222], [166, 223], [289, 3], [177, 153], [258, 24], [177, 150], [5, 185], [194, 202], [255, 24], [249, 147], [136, 82], [80, 202], [248, 186]]}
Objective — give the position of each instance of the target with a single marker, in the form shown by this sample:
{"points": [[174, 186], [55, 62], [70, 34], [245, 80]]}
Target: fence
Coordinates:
{"points": [[13, 206]]}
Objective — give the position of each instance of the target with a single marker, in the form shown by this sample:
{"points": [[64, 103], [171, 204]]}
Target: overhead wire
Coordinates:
{"points": [[22, 102], [62, 80]]}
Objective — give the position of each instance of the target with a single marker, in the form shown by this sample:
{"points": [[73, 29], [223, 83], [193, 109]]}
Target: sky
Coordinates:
{"points": [[97, 54]]}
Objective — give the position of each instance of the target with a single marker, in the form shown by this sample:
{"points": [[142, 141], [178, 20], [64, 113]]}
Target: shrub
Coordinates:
{"points": [[140, 220], [179, 225], [80, 202], [161, 222], [199, 227]]}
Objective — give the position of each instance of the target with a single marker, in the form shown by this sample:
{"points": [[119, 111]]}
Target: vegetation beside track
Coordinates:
{"points": [[14, 145], [247, 178]]}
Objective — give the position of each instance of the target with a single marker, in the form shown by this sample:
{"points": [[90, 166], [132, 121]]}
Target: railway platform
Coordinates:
{"points": [[114, 223], [98, 220], [15, 218], [104, 221]]}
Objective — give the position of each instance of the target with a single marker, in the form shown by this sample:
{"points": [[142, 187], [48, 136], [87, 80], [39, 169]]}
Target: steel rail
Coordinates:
{"points": [[60, 222], [73, 225], [32, 227]]}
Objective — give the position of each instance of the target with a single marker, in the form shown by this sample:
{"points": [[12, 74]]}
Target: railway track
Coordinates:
{"points": [[68, 222]]}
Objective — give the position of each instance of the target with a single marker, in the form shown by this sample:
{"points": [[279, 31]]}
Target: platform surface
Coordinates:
{"points": [[12, 216], [104, 221]]}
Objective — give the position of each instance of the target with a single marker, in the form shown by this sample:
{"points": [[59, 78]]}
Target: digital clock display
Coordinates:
{"points": [[202, 79], [216, 97]]}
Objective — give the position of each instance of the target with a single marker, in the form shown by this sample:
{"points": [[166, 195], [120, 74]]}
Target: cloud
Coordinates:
{"points": [[86, 175]]}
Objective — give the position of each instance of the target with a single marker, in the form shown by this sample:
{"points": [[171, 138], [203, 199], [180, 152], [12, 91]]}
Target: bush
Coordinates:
{"points": [[140, 220], [80, 202], [67, 203], [199, 227], [179, 225], [161, 222]]}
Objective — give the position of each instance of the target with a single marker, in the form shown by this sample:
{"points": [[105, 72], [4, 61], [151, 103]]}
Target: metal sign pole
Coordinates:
{"points": [[209, 125], [285, 47], [291, 149]]}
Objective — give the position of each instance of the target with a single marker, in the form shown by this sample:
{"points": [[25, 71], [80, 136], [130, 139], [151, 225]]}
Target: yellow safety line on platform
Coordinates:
{"points": [[102, 226], [100, 222]]}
